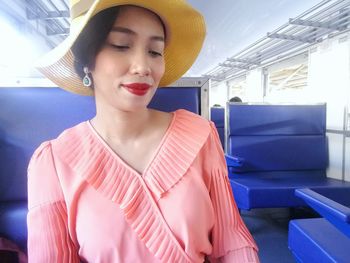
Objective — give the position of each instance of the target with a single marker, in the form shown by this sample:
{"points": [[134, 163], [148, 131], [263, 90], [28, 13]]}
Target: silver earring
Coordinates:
{"points": [[87, 80]]}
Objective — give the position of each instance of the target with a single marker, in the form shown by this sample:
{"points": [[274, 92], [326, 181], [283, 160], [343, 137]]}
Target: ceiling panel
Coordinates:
{"points": [[231, 24]]}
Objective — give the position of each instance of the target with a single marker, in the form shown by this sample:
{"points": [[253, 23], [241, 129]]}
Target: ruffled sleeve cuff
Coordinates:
{"points": [[231, 239], [48, 236]]}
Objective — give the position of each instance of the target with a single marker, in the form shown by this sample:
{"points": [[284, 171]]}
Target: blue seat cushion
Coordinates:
{"points": [[246, 119], [317, 240], [276, 189], [13, 222]]}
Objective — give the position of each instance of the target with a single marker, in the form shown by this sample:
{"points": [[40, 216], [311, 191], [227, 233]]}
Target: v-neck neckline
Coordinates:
{"points": [[88, 155], [121, 160]]}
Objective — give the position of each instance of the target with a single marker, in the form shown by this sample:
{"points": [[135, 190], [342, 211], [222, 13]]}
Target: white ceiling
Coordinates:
{"points": [[231, 24], [234, 24]]}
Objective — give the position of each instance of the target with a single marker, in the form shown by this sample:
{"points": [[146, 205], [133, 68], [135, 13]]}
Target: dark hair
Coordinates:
{"points": [[236, 99], [92, 38]]}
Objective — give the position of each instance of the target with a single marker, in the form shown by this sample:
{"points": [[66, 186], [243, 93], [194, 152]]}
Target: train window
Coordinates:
{"points": [[18, 51], [287, 80], [237, 88]]}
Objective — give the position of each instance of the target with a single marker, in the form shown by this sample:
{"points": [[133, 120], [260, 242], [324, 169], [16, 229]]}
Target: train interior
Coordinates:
{"points": [[273, 76]]}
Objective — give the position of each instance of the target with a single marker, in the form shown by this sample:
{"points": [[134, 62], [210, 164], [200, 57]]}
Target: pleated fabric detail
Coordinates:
{"points": [[91, 159], [242, 255], [230, 234], [178, 152], [55, 238]]}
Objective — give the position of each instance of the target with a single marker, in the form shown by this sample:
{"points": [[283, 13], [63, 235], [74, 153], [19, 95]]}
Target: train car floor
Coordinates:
{"points": [[269, 228]]}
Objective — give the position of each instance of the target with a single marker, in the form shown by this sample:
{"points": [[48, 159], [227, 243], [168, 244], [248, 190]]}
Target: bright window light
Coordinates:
{"points": [[16, 52]]}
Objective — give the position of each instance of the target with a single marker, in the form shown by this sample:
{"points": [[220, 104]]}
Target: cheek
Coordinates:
{"points": [[159, 70], [106, 65]]}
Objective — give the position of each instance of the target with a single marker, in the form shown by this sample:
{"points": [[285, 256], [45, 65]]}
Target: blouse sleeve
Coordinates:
{"points": [[48, 235], [230, 238]]}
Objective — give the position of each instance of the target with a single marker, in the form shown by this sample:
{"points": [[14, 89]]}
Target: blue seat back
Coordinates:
{"points": [[173, 98], [29, 116], [217, 115], [278, 137]]}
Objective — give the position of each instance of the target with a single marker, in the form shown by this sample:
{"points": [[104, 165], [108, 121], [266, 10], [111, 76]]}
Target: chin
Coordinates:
{"points": [[133, 107]]}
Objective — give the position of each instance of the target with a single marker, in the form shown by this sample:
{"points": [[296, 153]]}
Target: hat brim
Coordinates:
{"points": [[185, 35]]}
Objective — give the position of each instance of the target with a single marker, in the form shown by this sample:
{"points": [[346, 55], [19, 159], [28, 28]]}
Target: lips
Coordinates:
{"points": [[138, 89]]}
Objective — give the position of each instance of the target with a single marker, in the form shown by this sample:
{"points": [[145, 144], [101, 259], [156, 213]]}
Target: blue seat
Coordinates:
{"points": [[333, 205], [324, 239], [317, 240], [284, 147], [217, 115], [29, 116], [173, 98]]}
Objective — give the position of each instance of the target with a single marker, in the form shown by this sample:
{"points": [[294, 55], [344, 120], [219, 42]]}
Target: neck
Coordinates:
{"points": [[121, 126]]}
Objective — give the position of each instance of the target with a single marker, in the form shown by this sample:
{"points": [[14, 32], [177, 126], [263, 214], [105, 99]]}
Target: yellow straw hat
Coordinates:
{"points": [[185, 28]]}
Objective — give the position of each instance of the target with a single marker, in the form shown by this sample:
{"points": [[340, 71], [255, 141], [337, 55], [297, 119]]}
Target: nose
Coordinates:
{"points": [[140, 64]]}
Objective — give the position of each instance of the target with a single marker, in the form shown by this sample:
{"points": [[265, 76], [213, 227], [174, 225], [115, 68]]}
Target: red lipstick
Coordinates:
{"points": [[138, 89]]}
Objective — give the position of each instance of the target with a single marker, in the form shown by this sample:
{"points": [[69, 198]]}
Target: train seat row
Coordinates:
{"points": [[284, 147], [277, 151]]}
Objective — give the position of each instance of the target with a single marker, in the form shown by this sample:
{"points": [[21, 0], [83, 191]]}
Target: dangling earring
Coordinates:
{"points": [[87, 80]]}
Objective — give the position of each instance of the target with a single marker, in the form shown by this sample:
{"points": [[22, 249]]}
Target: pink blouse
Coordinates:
{"points": [[86, 204]]}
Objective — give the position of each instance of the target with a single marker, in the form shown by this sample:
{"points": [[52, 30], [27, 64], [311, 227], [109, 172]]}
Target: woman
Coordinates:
{"points": [[132, 184]]}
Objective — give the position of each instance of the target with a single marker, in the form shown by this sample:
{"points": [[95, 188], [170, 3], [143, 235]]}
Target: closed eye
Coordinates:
{"points": [[155, 53], [120, 47]]}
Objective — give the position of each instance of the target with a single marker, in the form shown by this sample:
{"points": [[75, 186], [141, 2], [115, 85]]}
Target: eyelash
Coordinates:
{"points": [[151, 52], [120, 47], [155, 53]]}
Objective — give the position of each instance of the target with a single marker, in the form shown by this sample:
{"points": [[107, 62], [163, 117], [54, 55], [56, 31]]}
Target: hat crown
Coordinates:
{"points": [[78, 7]]}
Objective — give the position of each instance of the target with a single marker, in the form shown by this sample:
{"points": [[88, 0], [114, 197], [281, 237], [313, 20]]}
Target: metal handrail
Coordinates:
{"points": [[334, 14]]}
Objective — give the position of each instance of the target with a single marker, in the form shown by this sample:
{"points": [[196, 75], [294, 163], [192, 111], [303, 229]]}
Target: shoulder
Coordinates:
{"points": [[192, 120], [40, 155], [195, 124], [46, 149], [70, 137], [194, 131], [71, 133], [198, 127], [42, 172], [189, 115]]}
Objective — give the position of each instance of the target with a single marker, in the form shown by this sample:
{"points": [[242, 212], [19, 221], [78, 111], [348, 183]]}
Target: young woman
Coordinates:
{"points": [[132, 184]]}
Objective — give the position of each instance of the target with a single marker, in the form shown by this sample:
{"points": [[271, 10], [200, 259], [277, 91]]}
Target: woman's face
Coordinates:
{"points": [[130, 64]]}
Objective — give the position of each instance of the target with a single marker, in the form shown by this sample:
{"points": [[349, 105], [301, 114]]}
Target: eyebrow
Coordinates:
{"points": [[130, 32]]}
